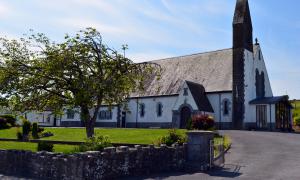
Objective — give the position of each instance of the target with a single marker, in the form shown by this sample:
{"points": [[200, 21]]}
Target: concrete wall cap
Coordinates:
{"points": [[200, 132]]}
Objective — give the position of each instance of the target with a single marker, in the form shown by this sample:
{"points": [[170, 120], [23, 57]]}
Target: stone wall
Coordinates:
{"points": [[109, 164]]}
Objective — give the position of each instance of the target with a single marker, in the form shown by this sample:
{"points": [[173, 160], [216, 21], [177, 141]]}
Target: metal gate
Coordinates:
{"points": [[217, 152]]}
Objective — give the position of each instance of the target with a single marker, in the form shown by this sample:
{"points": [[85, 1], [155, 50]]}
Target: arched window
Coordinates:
{"points": [[142, 110], [260, 84], [225, 107], [70, 114], [159, 109]]}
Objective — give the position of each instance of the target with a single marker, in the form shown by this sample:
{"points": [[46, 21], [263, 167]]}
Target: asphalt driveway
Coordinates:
{"points": [[253, 156]]}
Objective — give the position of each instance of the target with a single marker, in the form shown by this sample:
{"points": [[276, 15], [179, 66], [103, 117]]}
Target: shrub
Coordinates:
{"points": [[97, 143], [35, 128], [172, 138], [189, 125], [203, 122], [26, 128], [4, 124], [297, 121], [19, 135], [44, 146], [9, 119], [40, 130]]}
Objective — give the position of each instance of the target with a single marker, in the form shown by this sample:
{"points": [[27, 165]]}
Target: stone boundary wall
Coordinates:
{"points": [[109, 164]]}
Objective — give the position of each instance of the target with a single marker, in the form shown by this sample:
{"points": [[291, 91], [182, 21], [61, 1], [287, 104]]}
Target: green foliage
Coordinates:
{"points": [[96, 143], [10, 119], [173, 137], [82, 71], [26, 127], [203, 122], [227, 142], [297, 121], [189, 125], [4, 124], [35, 132], [45, 146], [19, 135]]}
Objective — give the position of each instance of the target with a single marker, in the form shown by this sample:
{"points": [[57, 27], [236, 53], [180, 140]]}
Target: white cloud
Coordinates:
{"points": [[5, 10], [148, 56], [84, 23]]}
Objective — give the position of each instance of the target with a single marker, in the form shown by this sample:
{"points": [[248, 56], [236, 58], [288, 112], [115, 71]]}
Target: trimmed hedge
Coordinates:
{"points": [[10, 119], [4, 124]]}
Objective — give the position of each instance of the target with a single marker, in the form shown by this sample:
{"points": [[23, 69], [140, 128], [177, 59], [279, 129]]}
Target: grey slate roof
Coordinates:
{"points": [[213, 70], [199, 95]]}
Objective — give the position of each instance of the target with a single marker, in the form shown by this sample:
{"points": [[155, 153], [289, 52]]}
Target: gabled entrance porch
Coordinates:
{"points": [[273, 113]]}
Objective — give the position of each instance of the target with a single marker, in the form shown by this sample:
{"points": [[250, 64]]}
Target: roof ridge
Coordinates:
{"points": [[206, 52]]}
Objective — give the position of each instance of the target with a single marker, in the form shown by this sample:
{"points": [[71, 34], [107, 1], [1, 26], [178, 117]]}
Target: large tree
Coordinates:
{"points": [[81, 71]]}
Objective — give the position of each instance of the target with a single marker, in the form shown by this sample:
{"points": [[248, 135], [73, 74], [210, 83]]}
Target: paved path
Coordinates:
{"points": [[253, 156]]}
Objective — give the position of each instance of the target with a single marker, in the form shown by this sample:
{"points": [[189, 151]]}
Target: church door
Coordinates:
{"points": [[261, 116], [185, 115]]}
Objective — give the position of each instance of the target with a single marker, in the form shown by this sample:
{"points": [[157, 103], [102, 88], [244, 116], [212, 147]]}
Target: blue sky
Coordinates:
{"points": [[156, 29]]}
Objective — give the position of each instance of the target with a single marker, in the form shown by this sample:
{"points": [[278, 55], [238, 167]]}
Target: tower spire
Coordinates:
{"points": [[242, 26]]}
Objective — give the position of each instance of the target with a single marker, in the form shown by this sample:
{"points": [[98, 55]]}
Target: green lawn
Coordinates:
{"points": [[33, 146], [132, 136]]}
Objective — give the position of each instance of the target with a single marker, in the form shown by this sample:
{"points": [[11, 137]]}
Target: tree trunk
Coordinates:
{"points": [[90, 132], [89, 122]]}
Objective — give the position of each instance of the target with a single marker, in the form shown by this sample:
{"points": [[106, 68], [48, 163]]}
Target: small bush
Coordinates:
{"points": [[10, 119], [44, 146], [35, 128], [297, 121], [203, 122], [4, 124], [189, 125], [40, 130], [26, 128], [172, 138], [97, 143], [19, 135]]}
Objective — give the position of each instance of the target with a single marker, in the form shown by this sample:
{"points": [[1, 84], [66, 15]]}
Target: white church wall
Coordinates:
{"points": [[76, 118], [114, 114], [261, 66], [45, 118], [216, 100], [185, 99], [252, 63], [150, 115], [273, 113]]}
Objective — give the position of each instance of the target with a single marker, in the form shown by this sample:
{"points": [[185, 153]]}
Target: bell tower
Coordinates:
{"points": [[242, 41], [242, 26]]}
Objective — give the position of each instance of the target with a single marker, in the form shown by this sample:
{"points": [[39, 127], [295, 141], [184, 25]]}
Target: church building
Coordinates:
{"points": [[232, 85]]}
